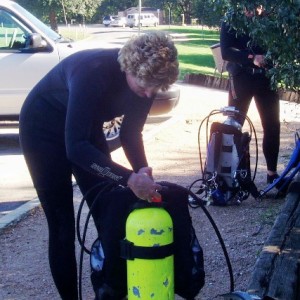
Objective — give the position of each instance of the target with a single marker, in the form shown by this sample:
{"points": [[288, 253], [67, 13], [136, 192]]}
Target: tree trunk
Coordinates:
{"points": [[53, 20]]}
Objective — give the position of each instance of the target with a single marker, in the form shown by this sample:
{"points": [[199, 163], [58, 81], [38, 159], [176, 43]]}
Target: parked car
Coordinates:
{"points": [[144, 19], [107, 20], [118, 22], [29, 49]]}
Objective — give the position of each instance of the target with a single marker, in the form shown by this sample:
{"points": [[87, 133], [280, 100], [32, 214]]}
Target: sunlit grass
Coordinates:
{"points": [[75, 33], [193, 44], [195, 59]]}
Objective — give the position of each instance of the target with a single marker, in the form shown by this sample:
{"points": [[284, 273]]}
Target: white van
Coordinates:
{"points": [[146, 19]]}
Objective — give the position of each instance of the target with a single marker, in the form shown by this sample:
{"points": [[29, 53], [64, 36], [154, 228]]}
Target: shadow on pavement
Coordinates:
{"points": [[9, 144]]}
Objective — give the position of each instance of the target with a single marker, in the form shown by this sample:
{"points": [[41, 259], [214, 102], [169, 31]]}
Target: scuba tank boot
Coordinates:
{"points": [[107, 293]]}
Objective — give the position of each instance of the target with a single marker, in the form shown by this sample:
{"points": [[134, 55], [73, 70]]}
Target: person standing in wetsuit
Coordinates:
{"points": [[61, 135], [247, 79]]}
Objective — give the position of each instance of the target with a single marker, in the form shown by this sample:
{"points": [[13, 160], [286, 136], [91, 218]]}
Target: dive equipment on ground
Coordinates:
{"points": [[193, 243], [226, 174]]}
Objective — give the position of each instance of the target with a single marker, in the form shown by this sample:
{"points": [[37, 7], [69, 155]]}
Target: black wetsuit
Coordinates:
{"points": [[247, 81], [61, 134]]}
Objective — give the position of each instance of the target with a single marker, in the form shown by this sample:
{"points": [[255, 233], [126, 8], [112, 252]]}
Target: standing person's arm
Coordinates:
{"points": [[234, 48]]}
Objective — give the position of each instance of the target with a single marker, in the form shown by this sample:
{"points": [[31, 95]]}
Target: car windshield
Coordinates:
{"points": [[40, 25]]}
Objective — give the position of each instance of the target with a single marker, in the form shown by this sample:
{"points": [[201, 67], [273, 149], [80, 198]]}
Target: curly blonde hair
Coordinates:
{"points": [[151, 58]]}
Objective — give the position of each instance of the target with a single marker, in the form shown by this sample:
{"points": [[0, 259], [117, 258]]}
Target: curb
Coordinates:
{"points": [[18, 214]]}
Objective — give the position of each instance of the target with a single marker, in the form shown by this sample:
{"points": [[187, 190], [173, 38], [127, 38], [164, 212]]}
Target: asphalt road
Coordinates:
{"points": [[15, 183]]}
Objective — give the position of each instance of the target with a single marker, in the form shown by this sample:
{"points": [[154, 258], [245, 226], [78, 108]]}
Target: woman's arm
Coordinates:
{"points": [[234, 48]]}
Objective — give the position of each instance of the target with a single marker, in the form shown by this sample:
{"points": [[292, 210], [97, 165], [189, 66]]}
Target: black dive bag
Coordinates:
{"points": [[107, 264]]}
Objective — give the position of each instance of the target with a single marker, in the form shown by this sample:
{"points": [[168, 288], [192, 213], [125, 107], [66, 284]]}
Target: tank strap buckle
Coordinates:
{"points": [[126, 249]]}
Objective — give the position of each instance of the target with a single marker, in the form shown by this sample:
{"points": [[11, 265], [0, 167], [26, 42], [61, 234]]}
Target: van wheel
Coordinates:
{"points": [[111, 131]]}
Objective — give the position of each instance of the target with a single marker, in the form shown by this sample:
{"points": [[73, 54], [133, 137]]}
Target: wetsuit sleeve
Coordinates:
{"points": [[87, 88], [131, 133], [230, 48]]}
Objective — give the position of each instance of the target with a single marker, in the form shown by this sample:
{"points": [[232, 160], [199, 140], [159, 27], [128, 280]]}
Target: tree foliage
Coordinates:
{"points": [[112, 7], [277, 29], [53, 11], [62, 11], [208, 13]]}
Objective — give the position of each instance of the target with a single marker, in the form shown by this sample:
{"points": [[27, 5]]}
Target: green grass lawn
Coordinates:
{"points": [[193, 44], [74, 33]]}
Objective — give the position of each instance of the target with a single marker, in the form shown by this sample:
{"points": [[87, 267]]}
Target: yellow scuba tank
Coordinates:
{"points": [[148, 248]]}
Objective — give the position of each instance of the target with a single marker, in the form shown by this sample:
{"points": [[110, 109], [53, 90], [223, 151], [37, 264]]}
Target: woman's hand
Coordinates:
{"points": [[143, 185], [259, 61]]}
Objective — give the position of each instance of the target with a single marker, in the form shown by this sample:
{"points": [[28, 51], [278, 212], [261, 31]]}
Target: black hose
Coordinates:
{"points": [[84, 198], [211, 220], [105, 187]]}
